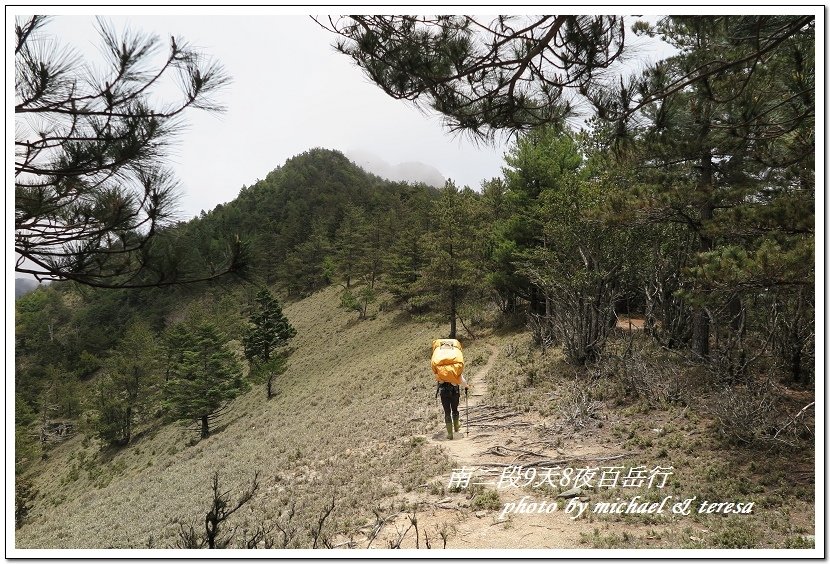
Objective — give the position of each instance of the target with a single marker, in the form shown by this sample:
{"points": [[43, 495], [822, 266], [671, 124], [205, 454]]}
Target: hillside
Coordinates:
{"points": [[355, 420], [342, 424], [23, 286], [597, 385]]}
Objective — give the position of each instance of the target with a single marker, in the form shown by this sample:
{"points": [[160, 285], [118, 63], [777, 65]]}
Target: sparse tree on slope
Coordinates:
{"points": [[124, 386], [270, 330], [204, 378]]}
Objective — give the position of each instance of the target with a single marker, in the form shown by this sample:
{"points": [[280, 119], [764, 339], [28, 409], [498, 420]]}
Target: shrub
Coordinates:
{"points": [[24, 493], [657, 380], [752, 415], [487, 499]]}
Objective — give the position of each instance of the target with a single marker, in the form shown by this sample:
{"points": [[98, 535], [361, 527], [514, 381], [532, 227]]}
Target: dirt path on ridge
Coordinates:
{"points": [[492, 438]]}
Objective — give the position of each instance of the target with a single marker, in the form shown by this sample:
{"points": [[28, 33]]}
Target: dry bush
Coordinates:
{"points": [[579, 404], [542, 330], [648, 374], [753, 415], [216, 516]]}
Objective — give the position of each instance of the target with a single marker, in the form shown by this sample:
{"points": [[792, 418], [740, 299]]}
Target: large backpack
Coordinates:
{"points": [[447, 360]]}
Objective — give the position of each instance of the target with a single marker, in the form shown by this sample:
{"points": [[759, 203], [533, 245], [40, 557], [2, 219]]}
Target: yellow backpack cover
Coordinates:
{"points": [[447, 360]]}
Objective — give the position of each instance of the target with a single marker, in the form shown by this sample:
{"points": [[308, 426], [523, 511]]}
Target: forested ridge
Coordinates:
{"points": [[314, 221]]}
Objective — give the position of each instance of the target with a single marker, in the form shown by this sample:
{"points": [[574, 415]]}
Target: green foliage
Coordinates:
{"points": [[269, 331], [24, 494], [358, 301], [573, 264], [353, 213], [87, 364], [37, 317], [484, 75], [452, 271], [113, 416], [351, 244], [718, 158], [126, 388], [405, 262], [486, 499], [91, 189], [59, 398], [26, 437], [204, 376]]}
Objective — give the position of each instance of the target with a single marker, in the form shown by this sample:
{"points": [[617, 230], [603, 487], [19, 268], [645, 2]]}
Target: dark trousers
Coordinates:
{"points": [[450, 395]]}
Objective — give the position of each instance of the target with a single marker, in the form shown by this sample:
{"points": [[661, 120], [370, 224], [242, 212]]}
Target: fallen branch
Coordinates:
{"points": [[499, 450], [379, 524], [492, 417], [506, 426], [574, 458], [794, 419], [563, 461]]}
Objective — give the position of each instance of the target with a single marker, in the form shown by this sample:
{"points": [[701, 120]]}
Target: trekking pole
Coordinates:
{"points": [[467, 411]]}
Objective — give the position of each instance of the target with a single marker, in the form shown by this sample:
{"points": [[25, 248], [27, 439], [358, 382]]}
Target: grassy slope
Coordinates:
{"points": [[353, 396], [348, 422]]}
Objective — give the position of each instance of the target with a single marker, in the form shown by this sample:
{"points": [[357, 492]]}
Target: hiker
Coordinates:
{"points": [[448, 365]]}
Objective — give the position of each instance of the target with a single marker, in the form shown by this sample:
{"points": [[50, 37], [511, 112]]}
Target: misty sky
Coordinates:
{"points": [[291, 91]]}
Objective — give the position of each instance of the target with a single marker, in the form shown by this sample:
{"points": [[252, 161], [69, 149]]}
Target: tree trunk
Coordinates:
{"points": [[700, 319], [129, 423], [796, 341], [453, 312], [205, 430]]}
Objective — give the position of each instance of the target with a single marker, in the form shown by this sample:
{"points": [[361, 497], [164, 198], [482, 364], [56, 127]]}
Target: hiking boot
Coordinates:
{"points": [[457, 423], [449, 431]]}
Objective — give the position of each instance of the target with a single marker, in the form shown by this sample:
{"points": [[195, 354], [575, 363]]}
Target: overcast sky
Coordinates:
{"points": [[291, 91]]}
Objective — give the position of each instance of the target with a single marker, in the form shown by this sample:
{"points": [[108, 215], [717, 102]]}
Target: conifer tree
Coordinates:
{"points": [[351, 244], [125, 385], [93, 197], [453, 269], [269, 331], [731, 158], [204, 378]]}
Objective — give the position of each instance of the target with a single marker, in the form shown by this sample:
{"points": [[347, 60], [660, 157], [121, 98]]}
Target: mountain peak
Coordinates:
{"points": [[410, 171]]}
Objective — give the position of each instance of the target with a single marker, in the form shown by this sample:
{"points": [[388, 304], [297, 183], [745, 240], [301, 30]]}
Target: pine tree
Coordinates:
{"points": [[204, 378], [404, 264], [269, 332], [453, 270], [514, 73], [93, 198], [575, 261], [125, 385], [731, 157], [351, 242], [310, 265]]}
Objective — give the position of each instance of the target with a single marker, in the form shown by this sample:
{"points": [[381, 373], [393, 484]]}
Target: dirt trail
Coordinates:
{"points": [[498, 437]]}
